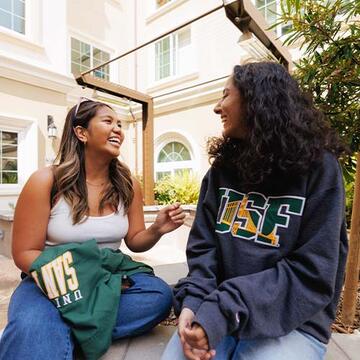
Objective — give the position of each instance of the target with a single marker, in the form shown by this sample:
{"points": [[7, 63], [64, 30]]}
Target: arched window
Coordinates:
{"points": [[174, 158]]}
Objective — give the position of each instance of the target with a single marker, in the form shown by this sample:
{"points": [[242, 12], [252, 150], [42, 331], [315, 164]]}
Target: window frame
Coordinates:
{"points": [[174, 61], [2, 157], [27, 130], [92, 47], [173, 166], [155, 12], [13, 15], [280, 29]]}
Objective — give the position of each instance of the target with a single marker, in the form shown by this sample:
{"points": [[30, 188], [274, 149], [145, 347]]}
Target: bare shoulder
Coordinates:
{"points": [[136, 183], [35, 193], [138, 197], [41, 179]]}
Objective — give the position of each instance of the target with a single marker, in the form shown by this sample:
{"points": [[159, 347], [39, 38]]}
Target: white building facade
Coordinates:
{"points": [[42, 42]]}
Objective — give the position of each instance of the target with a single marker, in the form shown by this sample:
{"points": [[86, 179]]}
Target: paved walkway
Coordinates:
{"points": [[151, 346], [9, 278]]}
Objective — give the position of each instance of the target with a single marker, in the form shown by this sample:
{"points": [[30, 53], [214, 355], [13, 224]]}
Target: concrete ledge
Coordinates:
{"points": [[171, 273]]}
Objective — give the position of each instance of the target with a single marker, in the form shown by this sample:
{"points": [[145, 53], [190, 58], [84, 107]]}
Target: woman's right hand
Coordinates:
{"points": [[185, 320]]}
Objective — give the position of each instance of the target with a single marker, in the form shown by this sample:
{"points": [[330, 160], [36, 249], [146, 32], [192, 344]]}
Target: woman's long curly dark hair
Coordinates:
{"points": [[286, 133]]}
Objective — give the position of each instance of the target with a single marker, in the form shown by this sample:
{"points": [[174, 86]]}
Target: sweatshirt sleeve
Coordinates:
{"points": [[275, 301], [201, 254]]}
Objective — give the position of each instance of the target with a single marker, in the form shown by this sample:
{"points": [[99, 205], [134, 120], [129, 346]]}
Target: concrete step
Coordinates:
{"points": [[152, 345], [343, 346]]}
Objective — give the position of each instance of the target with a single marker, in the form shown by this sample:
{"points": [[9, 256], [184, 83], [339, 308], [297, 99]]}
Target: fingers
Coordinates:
{"points": [[193, 337], [185, 319], [169, 218], [196, 338], [175, 209], [181, 329], [197, 354], [172, 207], [178, 218], [176, 213], [188, 352], [193, 354], [209, 355]]}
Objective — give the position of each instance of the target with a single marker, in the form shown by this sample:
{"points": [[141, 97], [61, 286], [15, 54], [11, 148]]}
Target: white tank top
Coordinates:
{"points": [[108, 230]]}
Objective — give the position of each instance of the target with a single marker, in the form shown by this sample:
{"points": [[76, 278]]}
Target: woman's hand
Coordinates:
{"points": [[138, 238], [196, 337], [169, 218], [193, 338], [197, 344], [185, 319]]}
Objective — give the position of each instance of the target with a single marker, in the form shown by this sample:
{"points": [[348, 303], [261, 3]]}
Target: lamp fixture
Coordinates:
{"points": [[51, 127], [254, 47], [245, 36]]}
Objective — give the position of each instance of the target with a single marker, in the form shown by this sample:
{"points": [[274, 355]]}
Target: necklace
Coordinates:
{"points": [[102, 184]]}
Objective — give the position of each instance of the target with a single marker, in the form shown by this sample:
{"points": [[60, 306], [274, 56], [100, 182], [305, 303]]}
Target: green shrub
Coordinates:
{"points": [[182, 188]]}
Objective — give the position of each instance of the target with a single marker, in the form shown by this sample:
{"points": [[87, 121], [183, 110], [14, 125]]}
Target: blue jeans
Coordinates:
{"points": [[36, 330], [294, 346]]}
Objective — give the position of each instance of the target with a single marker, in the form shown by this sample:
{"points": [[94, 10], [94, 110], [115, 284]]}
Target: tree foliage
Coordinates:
{"points": [[329, 34]]}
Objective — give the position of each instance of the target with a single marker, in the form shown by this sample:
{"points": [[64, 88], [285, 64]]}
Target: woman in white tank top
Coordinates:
{"points": [[88, 194]]}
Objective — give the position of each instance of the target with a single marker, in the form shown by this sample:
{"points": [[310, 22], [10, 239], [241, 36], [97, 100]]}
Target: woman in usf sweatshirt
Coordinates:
{"points": [[88, 194], [267, 249]]}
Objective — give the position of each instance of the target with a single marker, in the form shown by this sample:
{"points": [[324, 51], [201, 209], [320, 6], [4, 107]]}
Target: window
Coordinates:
{"points": [[270, 9], [12, 15], [9, 157], [173, 159], [85, 57], [160, 3], [173, 55], [18, 152]]}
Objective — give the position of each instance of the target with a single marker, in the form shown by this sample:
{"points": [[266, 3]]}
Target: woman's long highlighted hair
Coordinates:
{"points": [[69, 173]]}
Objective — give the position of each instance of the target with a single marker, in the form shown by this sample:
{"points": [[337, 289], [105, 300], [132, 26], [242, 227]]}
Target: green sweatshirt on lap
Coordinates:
{"points": [[84, 283]]}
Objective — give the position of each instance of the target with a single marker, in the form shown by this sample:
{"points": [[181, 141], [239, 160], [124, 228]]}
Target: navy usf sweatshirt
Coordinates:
{"points": [[265, 262]]}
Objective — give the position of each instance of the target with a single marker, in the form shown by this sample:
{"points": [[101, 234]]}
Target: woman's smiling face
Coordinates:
{"points": [[232, 111], [104, 132]]}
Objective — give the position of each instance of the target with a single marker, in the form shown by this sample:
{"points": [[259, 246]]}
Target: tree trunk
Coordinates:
{"points": [[353, 261]]}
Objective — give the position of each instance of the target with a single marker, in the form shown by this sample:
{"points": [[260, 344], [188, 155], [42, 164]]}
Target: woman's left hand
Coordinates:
{"points": [[169, 218], [196, 344]]}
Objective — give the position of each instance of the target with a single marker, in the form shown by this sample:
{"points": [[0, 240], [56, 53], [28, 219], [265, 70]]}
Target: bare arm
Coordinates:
{"points": [[31, 219], [140, 239]]}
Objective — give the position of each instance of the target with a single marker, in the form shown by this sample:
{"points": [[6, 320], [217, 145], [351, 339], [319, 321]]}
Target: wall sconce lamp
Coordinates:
{"points": [[51, 127]]}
